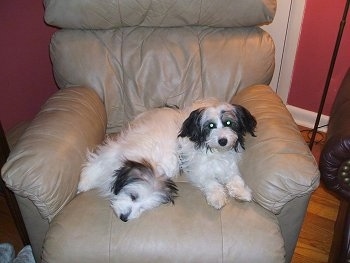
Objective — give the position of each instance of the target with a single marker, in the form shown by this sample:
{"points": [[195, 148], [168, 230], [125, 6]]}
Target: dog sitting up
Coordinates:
{"points": [[210, 143]]}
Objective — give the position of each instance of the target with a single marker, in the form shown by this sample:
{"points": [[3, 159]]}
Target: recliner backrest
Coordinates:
{"points": [[143, 54]]}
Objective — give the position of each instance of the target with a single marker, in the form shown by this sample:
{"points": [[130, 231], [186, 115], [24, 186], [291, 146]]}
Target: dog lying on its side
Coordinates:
{"points": [[134, 171]]}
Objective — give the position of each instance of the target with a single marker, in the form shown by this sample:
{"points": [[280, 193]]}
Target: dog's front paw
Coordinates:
{"points": [[244, 194], [239, 191], [84, 185], [216, 199]]}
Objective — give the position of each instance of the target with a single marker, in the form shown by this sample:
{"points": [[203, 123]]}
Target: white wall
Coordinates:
{"points": [[285, 31]]}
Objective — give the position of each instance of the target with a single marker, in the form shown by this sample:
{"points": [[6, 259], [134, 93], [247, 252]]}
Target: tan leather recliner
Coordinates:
{"points": [[115, 59]]}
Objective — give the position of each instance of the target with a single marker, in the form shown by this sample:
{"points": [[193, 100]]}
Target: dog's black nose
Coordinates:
{"points": [[124, 218], [223, 141]]}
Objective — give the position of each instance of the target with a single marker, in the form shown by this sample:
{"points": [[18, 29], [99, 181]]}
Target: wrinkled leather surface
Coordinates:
{"points": [[45, 164], [189, 231], [106, 14], [336, 151], [134, 69]]}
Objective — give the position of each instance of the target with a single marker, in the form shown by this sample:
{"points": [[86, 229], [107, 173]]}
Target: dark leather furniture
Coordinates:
{"points": [[335, 169]]}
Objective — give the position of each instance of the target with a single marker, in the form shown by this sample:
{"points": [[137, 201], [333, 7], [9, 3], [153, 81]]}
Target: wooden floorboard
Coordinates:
{"points": [[8, 230], [316, 235]]}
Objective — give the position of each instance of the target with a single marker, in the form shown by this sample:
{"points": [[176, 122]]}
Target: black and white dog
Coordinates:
{"points": [[209, 146]]}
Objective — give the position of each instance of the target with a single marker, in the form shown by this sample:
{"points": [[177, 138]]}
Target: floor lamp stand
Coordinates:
{"points": [[330, 73]]}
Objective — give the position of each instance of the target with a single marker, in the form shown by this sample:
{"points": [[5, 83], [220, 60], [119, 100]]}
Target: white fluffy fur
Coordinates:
{"points": [[212, 172]]}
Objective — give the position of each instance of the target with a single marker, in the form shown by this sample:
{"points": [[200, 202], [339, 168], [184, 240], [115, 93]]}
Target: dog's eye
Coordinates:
{"points": [[133, 197], [211, 125], [228, 123]]}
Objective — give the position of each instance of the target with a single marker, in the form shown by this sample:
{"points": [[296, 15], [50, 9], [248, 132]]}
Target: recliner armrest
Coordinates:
{"points": [[277, 164], [335, 156], [44, 165], [335, 165]]}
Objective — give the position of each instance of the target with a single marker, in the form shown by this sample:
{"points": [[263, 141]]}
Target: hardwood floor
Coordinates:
{"points": [[317, 231], [8, 230], [316, 235], [313, 244]]}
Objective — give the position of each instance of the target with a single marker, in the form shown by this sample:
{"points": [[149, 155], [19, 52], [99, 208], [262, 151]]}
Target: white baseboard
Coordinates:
{"points": [[307, 118]]}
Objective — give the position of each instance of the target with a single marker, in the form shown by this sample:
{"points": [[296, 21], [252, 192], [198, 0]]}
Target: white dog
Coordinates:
{"points": [[134, 170], [209, 146]]}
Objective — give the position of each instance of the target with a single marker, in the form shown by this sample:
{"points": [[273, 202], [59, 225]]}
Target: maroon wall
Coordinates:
{"points": [[26, 74], [319, 31]]}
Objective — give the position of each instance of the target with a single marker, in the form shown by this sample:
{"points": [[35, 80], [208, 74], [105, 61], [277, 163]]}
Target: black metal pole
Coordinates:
{"points": [[330, 73]]}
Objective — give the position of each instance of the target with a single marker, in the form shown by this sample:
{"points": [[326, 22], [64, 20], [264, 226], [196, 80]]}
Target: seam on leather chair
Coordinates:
{"points": [[122, 101], [200, 12], [117, 4], [201, 60], [110, 236], [111, 55], [222, 239]]}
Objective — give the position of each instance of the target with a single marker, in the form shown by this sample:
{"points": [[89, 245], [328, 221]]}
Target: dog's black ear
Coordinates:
{"points": [[246, 120], [130, 172], [246, 124], [192, 129], [171, 190]]}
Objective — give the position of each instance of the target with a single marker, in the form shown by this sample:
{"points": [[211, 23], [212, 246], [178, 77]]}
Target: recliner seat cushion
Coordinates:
{"points": [[189, 231]]}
